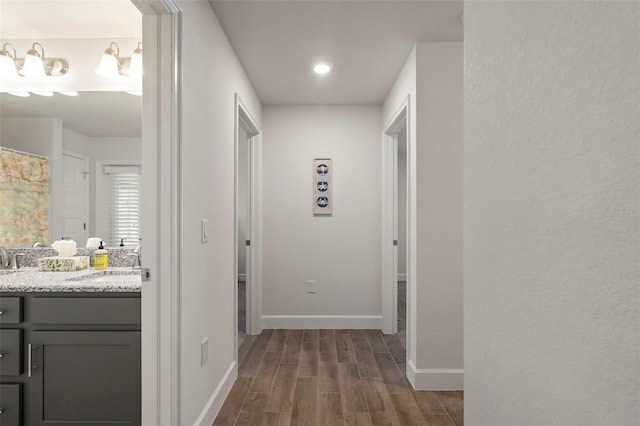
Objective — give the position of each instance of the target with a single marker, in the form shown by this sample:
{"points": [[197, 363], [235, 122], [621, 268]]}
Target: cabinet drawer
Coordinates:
{"points": [[10, 351], [11, 405], [91, 311], [10, 310]]}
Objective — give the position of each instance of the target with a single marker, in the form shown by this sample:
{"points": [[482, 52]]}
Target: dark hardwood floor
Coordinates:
{"points": [[331, 377]]}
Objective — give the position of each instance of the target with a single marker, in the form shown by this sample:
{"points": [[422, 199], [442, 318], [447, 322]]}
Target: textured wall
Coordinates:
{"points": [[551, 215]]}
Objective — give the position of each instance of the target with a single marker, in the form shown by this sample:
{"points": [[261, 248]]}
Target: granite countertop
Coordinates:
{"points": [[123, 280]]}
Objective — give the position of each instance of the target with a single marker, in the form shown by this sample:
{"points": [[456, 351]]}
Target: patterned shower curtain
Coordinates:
{"points": [[24, 199]]}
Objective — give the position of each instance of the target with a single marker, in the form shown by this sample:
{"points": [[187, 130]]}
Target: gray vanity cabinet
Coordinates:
{"points": [[85, 377], [70, 359]]}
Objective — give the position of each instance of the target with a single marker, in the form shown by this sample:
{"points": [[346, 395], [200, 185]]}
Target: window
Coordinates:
{"points": [[123, 186]]}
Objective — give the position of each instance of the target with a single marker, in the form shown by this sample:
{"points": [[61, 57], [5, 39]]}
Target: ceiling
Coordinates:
{"points": [[366, 42], [96, 114], [50, 19]]}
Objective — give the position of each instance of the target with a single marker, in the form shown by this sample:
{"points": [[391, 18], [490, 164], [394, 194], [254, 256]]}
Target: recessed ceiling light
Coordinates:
{"points": [[321, 68]]}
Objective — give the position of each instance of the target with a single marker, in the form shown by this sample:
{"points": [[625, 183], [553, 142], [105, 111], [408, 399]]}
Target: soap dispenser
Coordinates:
{"points": [[100, 258]]}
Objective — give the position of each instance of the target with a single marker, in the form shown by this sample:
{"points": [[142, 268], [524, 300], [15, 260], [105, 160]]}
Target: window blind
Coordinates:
{"points": [[124, 205]]}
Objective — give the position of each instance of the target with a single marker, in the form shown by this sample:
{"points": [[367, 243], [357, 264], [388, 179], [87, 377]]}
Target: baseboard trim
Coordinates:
{"points": [[402, 277], [321, 321], [242, 278], [435, 378], [211, 409]]}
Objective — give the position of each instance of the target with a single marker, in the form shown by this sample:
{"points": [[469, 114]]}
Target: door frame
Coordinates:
{"points": [[161, 205], [87, 186], [398, 121], [243, 117]]}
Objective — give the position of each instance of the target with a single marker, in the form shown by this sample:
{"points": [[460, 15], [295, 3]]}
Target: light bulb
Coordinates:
{"points": [[7, 66], [109, 66], [321, 68], [135, 66]]}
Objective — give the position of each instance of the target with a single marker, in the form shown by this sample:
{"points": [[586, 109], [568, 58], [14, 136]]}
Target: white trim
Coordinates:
{"points": [[435, 379], [242, 278], [389, 253], [253, 274], [402, 277], [213, 405], [296, 322], [161, 210]]}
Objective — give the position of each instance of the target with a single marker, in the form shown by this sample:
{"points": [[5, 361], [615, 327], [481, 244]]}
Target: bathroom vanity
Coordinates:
{"points": [[70, 347]]}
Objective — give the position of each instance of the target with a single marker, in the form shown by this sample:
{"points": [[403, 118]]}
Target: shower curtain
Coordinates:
{"points": [[24, 199]]}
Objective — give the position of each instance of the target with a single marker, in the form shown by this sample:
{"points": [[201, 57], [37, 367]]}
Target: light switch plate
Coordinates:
{"points": [[204, 351], [204, 231]]}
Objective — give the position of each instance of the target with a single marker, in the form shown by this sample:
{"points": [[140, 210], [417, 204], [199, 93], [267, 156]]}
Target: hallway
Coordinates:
{"points": [[331, 377]]}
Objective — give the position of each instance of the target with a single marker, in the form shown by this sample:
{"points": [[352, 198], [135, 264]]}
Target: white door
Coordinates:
{"points": [[76, 187]]}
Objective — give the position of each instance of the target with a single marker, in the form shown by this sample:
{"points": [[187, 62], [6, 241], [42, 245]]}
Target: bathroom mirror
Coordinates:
{"points": [[92, 145]]}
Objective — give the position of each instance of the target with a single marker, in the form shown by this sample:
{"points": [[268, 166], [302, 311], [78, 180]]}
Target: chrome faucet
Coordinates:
{"points": [[4, 258], [14, 261], [38, 244], [136, 252]]}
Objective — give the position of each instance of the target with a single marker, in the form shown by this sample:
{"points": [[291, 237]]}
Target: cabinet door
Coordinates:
{"points": [[85, 378]]}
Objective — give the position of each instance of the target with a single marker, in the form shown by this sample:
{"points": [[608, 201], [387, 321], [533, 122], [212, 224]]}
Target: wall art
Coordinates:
{"points": [[322, 186]]}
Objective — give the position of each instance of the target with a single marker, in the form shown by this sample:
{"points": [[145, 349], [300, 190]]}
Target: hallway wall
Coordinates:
{"points": [[212, 75], [432, 77], [341, 252], [552, 165]]}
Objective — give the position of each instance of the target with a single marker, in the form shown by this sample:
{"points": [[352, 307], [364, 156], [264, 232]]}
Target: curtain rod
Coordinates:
{"points": [[22, 152]]}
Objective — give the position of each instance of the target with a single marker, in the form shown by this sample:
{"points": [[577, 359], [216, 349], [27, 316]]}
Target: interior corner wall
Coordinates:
{"points": [[211, 76], [340, 252], [42, 136], [552, 165], [439, 157]]}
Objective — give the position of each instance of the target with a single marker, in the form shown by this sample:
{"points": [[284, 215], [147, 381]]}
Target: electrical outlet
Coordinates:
{"points": [[204, 351], [311, 286], [204, 231]]}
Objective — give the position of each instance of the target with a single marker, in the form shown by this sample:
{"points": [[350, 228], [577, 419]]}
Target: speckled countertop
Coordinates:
{"points": [[123, 280]]}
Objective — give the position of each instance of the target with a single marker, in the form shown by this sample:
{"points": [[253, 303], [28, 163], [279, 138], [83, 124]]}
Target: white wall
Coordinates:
{"points": [[551, 213], [42, 136], [211, 77], [439, 157], [341, 252], [432, 78]]}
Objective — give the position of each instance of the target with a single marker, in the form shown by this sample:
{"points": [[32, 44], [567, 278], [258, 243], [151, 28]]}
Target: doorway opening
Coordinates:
{"points": [[396, 277], [246, 219]]}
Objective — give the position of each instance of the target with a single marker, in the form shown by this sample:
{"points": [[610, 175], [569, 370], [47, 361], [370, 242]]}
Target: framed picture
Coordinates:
{"points": [[322, 186]]}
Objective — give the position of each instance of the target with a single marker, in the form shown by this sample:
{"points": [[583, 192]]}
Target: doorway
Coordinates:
{"points": [[246, 219], [396, 277]]}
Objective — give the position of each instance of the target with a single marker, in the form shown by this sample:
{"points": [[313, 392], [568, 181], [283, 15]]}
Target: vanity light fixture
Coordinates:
{"points": [[36, 65], [110, 62], [321, 68], [135, 67], [8, 65], [112, 65]]}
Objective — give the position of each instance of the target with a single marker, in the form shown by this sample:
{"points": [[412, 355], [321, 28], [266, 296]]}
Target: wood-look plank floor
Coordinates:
{"points": [[331, 377]]}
